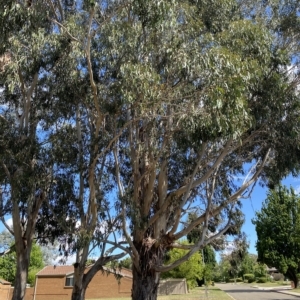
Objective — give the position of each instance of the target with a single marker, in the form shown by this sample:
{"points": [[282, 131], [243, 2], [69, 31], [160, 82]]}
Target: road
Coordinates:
{"points": [[244, 292]]}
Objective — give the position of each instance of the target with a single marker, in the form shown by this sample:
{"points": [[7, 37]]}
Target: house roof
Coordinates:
{"points": [[53, 271], [56, 270], [4, 282], [123, 272]]}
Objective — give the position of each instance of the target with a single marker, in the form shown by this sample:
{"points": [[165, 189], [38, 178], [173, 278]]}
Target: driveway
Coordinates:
{"points": [[244, 292]]}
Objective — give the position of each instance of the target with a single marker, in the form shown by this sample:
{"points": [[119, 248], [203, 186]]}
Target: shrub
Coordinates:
{"points": [[251, 279], [239, 280], [191, 284], [262, 280], [247, 276], [231, 280], [217, 279]]}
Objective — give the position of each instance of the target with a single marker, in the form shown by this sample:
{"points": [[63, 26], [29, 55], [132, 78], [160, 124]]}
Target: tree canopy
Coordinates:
{"points": [[278, 231], [121, 117]]}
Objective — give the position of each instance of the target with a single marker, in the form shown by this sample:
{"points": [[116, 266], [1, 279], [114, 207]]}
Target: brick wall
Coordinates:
{"points": [[107, 286], [29, 293], [5, 293], [51, 288], [101, 286]]}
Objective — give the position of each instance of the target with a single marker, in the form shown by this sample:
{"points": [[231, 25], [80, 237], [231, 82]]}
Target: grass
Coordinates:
{"points": [[195, 294]]}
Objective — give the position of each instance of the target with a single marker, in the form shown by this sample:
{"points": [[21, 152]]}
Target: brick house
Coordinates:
{"points": [[6, 291], [56, 283]]}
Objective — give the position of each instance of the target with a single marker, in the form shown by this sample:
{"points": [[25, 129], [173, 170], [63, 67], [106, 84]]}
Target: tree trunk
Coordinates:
{"points": [[82, 278], [295, 280], [78, 292], [292, 275], [144, 287], [146, 280], [21, 274]]}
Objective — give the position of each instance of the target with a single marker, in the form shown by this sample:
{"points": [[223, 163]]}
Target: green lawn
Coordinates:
{"points": [[195, 294]]}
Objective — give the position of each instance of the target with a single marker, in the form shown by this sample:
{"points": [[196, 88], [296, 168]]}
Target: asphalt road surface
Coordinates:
{"points": [[243, 292]]}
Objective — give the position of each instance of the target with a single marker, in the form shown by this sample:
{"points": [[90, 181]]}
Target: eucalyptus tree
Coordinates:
{"points": [[238, 255], [174, 100], [25, 172], [54, 135], [205, 93], [80, 145]]}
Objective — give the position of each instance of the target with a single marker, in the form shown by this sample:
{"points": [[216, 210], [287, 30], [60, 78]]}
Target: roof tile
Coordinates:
{"points": [[69, 269], [56, 270]]}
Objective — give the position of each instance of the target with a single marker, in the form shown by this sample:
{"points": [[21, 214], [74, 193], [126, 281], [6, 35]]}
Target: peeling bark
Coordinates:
{"points": [[146, 280]]}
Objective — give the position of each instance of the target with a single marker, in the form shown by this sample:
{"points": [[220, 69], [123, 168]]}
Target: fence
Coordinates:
{"points": [[172, 286]]}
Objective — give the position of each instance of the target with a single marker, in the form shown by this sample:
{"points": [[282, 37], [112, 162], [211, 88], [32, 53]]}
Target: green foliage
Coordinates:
{"points": [[8, 264], [249, 263], [251, 279], [36, 258], [260, 269], [278, 230], [168, 100], [237, 256], [248, 276], [8, 267], [126, 263], [262, 280], [31, 276], [191, 269]]}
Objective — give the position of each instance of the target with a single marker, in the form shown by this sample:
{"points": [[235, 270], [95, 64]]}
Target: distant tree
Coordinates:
{"points": [[278, 231], [208, 251], [36, 258], [126, 263], [50, 252], [260, 269], [192, 269], [6, 240], [222, 269], [8, 264], [238, 255], [249, 263], [209, 255]]}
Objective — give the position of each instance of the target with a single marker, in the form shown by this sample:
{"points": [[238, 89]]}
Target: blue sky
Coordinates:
{"points": [[254, 204]]}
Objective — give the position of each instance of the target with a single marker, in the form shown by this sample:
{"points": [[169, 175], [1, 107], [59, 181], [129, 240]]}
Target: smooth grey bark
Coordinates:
{"points": [[23, 260]]}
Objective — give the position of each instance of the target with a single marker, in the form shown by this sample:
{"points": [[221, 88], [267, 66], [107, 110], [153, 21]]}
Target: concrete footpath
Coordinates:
{"points": [[247, 292], [279, 289]]}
